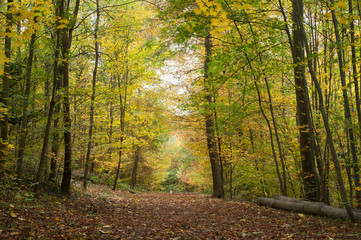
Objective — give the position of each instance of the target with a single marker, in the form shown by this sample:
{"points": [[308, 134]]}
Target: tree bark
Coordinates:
{"points": [[306, 207], [356, 169], [218, 190], [66, 45], [303, 113], [5, 90]]}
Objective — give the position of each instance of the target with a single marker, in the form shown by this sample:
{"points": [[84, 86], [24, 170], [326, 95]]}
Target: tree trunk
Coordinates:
{"points": [[303, 113], [91, 121], [218, 190], [66, 45], [5, 90], [306, 207], [356, 169]]}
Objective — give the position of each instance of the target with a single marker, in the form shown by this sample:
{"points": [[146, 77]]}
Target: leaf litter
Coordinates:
{"points": [[104, 214]]}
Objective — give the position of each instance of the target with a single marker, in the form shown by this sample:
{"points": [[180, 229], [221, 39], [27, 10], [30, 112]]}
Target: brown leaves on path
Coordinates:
{"points": [[161, 216]]}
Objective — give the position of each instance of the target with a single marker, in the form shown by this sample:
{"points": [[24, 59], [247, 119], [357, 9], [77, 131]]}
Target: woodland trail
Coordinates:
{"points": [[160, 216]]}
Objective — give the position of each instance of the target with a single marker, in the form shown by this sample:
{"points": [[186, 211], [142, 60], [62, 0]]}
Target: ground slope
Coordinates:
{"points": [[159, 216]]}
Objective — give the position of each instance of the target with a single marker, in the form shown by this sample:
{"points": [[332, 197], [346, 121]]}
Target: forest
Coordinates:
{"points": [[233, 99]]}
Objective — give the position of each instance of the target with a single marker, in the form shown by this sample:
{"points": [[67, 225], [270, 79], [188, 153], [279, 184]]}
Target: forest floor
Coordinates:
{"points": [[103, 214]]}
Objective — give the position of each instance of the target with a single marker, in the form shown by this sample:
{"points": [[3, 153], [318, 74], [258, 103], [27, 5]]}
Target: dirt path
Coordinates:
{"points": [[161, 216]]}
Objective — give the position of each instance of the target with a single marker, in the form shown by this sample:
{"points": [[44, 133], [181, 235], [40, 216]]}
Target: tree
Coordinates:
{"points": [[5, 88], [309, 173], [66, 40]]}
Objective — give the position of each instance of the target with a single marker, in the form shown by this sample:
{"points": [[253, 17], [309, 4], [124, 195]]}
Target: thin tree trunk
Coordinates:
{"points": [[280, 152], [91, 121]]}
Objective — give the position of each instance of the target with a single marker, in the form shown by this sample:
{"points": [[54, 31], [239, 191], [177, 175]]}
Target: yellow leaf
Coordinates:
{"points": [[198, 11], [61, 26], [341, 4], [344, 88], [64, 21], [215, 22], [12, 214], [301, 215], [212, 12], [246, 6], [328, 16], [12, 206], [358, 188], [214, 32], [343, 20], [346, 67]]}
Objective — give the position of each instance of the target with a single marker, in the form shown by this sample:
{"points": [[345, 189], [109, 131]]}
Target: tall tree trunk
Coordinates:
{"points": [[91, 121], [5, 90], [356, 169], [218, 190], [24, 120], [66, 45], [347, 110], [303, 113]]}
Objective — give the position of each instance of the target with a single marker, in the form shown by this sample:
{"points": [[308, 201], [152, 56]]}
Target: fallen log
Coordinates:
{"points": [[306, 207]]}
